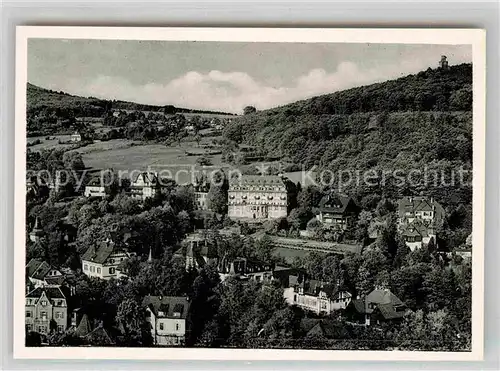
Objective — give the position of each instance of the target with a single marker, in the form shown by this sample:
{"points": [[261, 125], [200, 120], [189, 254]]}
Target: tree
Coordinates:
{"points": [[249, 109], [132, 318], [204, 161], [264, 249], [73, 161], [217, 199]]}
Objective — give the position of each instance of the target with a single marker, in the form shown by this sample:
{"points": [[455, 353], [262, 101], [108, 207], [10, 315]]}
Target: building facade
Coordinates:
{"points": [[104, 261], [245, 269], [418, 219], [316, 296], [41, 273], [145, 185], [167, 318], [37, 232], [76, 137], [46, 310], [378, 306], [95, 188], [337, 212], [258, 197], [201, 189]]}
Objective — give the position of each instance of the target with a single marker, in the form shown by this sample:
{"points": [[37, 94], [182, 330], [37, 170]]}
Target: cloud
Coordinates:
{"points": [[231, 91]]}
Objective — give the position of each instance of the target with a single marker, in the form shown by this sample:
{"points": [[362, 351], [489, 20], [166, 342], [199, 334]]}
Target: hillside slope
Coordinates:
{"points": [[40, 98], [415, 122]]}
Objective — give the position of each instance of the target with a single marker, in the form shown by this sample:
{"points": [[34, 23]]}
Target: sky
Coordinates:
{"points": [[223, 76]]}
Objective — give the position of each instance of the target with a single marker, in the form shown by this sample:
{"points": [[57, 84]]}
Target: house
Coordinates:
{"points": [[41, 273], [76, 137], [201, 189], [145, 185], [337, 212], [244, 269], [316, 296], [95, 188], [46, 310], [418, 218], [378, 306], [167, 317], [325, 328], [259, 197], [104, 260], [37, 232], [198, 251]]}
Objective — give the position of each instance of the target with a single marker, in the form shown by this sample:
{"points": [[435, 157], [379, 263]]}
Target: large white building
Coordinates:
{"points": [[316, 296], [104, 261], [167, 317], [258, 197]]}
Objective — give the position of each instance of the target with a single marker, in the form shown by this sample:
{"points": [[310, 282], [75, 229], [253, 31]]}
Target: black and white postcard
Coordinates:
{"points": [[249, 193]]}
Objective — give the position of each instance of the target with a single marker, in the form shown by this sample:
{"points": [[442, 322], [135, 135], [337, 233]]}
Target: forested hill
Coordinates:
{"points": [[41, 99], [417, 121]]}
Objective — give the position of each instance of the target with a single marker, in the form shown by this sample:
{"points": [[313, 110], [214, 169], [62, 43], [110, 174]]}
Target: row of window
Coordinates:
{"points": [[162, 327], [97, 270], [413, 239], [43, 315], [43, 329]]}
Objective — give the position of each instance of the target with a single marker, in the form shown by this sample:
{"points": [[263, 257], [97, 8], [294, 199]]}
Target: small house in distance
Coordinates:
{"points": [[37, 232], [167, 317], [245, 269], [337, 212], [201, 189], [76, 137], [145, 185], [40, 273], [197, 251], [418, 218], [95, 188], [378, 306], [103, 261], [316, 296]]}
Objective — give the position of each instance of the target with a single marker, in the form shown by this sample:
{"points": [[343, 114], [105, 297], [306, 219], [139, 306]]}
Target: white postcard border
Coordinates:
{"points": [[475, 37]]}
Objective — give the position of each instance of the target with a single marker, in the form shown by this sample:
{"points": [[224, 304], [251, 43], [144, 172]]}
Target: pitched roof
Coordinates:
{"points": [[99, 254], [382, 300], [388, 311], [41, 271], [417, 228], [84, 327], [334, 203], [32, 266], [379, 296], [419, 203], [169, 305], [55, 280], [51, 292], [99, 336], [147, 177], [315, 327]]}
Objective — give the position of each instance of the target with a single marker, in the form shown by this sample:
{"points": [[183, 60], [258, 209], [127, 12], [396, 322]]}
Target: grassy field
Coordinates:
{"points": [[290, 254], [49, 144], [126, 155]]}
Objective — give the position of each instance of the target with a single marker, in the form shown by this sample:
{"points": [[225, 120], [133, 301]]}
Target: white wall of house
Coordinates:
{"points": [[317, 304], [104, 271], [94, 191], [167, 331]]}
